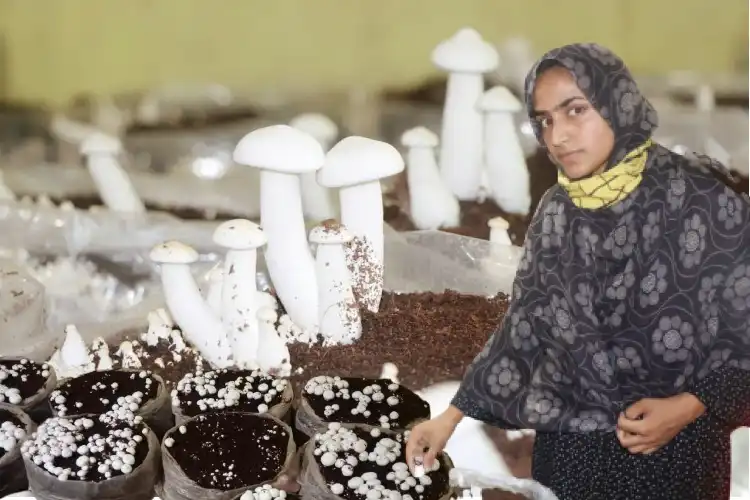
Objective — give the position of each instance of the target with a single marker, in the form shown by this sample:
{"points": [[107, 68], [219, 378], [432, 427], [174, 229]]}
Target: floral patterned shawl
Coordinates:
{"points": [[645, 298]]}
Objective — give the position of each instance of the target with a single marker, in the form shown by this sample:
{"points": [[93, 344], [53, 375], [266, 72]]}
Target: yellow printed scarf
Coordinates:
{"points": [[610, 186]]}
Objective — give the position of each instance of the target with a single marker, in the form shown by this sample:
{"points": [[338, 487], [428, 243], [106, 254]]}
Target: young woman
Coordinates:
{"points": [[627, 342]]}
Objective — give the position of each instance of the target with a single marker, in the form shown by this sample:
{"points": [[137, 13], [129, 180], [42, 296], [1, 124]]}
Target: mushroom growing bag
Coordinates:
{"points": [[308, 422], [156, 412], [138, 485], [37, 407], [12, 472], [177, 486], [313, 485], [279, 410]]}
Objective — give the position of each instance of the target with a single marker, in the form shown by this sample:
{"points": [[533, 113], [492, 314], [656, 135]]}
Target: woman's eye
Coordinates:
{"points": [[576, 111]]}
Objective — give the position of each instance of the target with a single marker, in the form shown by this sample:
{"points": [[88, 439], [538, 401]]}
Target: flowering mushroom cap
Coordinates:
{"points": [[173, 252], [465, 52], [100, 143], [280, 148], [357, 160], [330, 232], [317, 125], [499, 98], [498, 223], [239, 234], [420, 137]]}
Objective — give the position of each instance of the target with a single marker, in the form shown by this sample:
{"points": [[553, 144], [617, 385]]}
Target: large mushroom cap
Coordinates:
{"points": [[498, 223], [280, 148], [239, 234], [357, 160], [420, 137], [173, 252], [100, 143], [317, 125], [499, 99], [465, 52], [330, 232]]}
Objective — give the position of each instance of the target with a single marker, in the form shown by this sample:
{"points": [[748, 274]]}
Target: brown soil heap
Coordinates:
{"points": [[430, 338]]}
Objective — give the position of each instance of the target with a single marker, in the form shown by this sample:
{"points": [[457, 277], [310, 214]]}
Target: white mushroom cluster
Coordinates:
{"points": [[332, 388], [15, 373], [255, 386], [265, 492], [126, 406], [344, 449], [79, 449], [10, 435]]}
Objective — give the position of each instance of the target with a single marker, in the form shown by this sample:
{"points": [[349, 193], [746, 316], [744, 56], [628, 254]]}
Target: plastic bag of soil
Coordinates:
{"points": [[12, 472], [465, 478], [313, 486], [137, 485], [280, 410], [309, 423], [157, 412], [37, 406], [177, 485]]}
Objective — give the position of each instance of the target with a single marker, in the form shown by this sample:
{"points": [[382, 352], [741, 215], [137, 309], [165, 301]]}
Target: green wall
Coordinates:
{"points": [[56, 48]]}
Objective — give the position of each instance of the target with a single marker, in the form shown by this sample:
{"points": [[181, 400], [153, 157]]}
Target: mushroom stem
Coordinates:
{"points": [[507, 173], [215, 285], [273, 354], [340, 321], [5, 193], [111, 181], [431, 204], [288, 258], [499, 235], [461, 137], [202, 328], [238, 306], [362, 214]]}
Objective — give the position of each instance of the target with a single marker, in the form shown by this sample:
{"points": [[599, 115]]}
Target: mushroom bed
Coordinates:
{"points": [[20, 379], [241, 390], [98, 392], [355, 463], [378, 402], [229, 450]]}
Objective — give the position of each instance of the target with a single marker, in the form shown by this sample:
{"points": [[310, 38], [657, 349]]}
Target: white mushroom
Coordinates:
{"points": [[241, 238], [431, 204], [499, 231], [128, 358], [340, 321], [466, 56], [72, 359], [282, 153], [389, 371], [273, 354], [111, 181], [507, 172], [318, 202], [355, 165], [201, 327]]}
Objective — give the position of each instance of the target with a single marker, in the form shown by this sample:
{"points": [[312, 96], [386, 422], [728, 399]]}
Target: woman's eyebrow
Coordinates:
{"points": [[562, 104]]}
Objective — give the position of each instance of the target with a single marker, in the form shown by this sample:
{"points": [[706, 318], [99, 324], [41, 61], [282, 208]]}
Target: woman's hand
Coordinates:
{"points": [[650, 423], [428, 439]]}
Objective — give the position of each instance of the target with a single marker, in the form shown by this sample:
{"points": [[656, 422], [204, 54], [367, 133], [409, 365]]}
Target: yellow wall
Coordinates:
{"points": [[56, 48]]}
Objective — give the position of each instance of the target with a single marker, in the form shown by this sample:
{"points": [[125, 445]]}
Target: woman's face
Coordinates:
{"points": [[578, 139]]}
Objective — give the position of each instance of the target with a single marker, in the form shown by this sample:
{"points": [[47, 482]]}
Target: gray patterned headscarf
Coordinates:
{"points": [[649, 297], [610, 88]]}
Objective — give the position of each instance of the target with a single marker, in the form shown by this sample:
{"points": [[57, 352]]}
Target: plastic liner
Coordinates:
{"points": [[279, 410], [156, 413], [37, 406], [313, 485], [12, 472], [177, 486], [463, 479], [138, 485], [309, 423]]}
